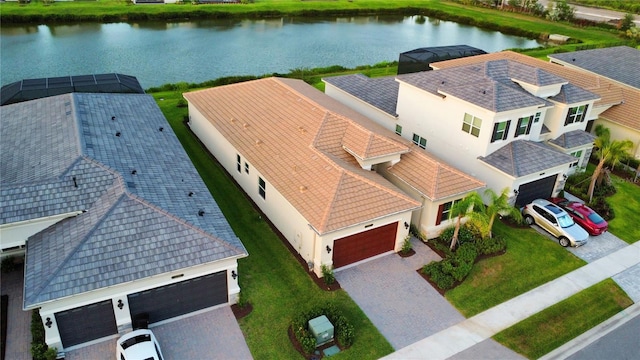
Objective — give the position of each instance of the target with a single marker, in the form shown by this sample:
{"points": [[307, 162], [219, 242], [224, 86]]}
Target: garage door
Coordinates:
{"points": [[364, 245], [539, 189], [180, 298], [86, 323]]}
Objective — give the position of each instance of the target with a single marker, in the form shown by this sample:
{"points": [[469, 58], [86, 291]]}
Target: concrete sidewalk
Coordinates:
{"points": [[478, 328]]}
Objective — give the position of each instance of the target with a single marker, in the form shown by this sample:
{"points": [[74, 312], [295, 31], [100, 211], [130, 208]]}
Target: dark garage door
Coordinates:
{"points": [[86, 323], [364, 245], [180, 298], [539, 189]]}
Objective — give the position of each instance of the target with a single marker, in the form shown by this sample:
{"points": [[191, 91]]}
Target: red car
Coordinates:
{"points": [[583, 215]]}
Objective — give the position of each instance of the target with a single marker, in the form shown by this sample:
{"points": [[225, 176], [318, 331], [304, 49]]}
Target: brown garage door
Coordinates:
{"points": [[364, 245]]}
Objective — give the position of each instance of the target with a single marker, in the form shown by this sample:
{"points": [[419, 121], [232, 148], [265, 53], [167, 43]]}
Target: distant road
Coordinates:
{"points": [[596, 14]]}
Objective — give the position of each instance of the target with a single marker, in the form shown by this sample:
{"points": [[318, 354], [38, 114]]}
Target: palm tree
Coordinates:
{"points": [[471, 202], [608, 152], [499, 205]]}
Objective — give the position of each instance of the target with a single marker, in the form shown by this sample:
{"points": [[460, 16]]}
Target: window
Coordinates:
{"points": [[500, 130], [471, 125], [576, 114], [524, 126], [238, 163], [262, 188], [536, 117], [246, 167], [420, 141], [577, 154], [398, 130], [444, 211]]}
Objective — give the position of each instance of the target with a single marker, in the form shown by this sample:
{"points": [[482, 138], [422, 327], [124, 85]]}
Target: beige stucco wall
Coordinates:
{"points": [[120, 292], [619, 132]]}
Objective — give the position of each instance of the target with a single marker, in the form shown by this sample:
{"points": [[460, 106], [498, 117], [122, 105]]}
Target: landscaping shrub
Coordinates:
{"points": [[464, 235], [39, 348], [344, 332], [602, 207], [413, 230], [453, 268], [327, 275], [406, 245], [490, 246]]}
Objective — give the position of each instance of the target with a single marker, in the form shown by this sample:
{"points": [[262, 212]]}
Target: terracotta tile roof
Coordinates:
{"points": [[626, 100], [296, 140], [433, 178]]}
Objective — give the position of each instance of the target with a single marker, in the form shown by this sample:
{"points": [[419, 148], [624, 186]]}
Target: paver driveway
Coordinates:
{"points": [[401, 304], [212, 334]]}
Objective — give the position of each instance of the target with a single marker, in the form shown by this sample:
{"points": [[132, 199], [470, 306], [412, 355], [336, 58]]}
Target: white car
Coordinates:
{"points": [[138, 345]]}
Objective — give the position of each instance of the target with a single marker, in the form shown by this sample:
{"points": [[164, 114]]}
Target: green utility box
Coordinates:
{"points": [[322, 329]]}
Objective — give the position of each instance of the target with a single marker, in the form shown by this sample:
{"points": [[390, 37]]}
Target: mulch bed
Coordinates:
{"points": [[407, 254], [240, 312]]}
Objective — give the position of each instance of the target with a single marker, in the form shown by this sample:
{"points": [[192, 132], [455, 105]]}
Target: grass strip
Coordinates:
{"points": [[495, 280], [271, 278], [562, 322]]}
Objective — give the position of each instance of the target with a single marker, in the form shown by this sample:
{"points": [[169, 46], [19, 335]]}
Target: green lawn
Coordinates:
{"points": [[626, 205], [271, 278], [530, 261], [553, 327]]}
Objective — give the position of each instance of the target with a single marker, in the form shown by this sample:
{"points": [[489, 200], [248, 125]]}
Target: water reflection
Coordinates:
{"points": [[170, 52]]}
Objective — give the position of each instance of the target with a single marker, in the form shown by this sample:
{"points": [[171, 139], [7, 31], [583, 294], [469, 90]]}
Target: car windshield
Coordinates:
{"points": [[135, 340], [565, 221], [595, 218]]}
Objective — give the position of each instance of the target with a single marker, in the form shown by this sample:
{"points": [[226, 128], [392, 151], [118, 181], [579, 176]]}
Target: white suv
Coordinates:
{"points": [[139, 344], [556, 221]]}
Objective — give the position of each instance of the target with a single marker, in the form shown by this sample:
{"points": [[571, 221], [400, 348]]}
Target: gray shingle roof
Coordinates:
{"points": [[524, 157], [489, 85], [381, 92], [144, 218], [571, 94], [619, 63], [573, 139]]}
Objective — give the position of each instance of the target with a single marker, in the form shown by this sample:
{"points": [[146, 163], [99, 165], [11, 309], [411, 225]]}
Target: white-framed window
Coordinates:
{"points": [[420, 141], [471, 125], [536, 117], [500, 130], [246, 167], [576, 114], [398, 129], [238, 163], [524, 126], [262, 188], [444, 211], [577, 154]]}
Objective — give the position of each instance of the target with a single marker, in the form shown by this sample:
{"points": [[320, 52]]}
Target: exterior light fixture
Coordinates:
{"points": [[234, 275], [564, 176], [48, 323], [328, 249], [406, 225], [120, 304], [516, 192]]}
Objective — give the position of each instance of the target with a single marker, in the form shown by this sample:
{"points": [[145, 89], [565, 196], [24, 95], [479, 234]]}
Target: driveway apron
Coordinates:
{"points": [[212, 334]]}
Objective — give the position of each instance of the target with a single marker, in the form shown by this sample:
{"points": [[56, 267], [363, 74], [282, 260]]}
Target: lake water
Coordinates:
{"points": [[159, 53]]}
